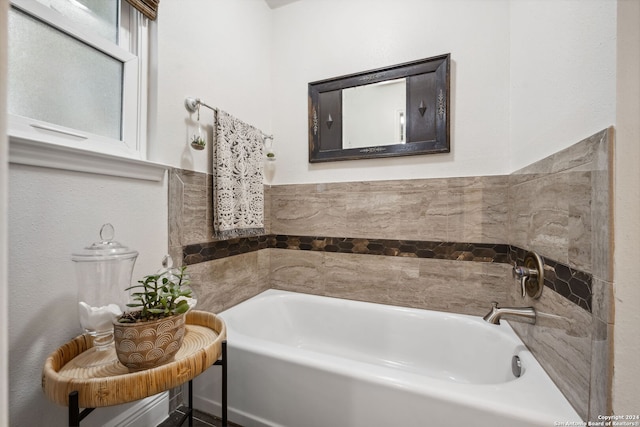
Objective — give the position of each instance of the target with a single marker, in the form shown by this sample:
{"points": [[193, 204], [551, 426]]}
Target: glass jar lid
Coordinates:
{"points": [[106, 249]]}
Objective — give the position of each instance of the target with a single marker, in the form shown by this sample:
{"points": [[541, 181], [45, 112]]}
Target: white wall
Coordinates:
{"points": [[525, 74], [562, 74], [627, 212], [216, 50], [317, 39], [53, 213], [4, 165]]}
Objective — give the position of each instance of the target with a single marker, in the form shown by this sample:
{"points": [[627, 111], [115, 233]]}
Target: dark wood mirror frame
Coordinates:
{"points": [[427, 111]]}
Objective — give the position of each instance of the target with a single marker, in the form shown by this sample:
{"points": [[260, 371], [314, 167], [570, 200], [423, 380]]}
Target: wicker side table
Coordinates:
{"points": [[78, 376]]}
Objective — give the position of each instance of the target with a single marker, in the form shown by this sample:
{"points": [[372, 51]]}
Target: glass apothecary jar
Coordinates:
{"points": [[103, 272]]}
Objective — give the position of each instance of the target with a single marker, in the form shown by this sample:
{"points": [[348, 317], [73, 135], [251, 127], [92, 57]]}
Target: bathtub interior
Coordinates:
{"points": [[321, 361], [447, 346]]}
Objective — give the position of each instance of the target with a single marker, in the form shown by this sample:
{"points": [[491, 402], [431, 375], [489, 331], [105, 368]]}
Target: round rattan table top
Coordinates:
{"points": [[101, 380]]}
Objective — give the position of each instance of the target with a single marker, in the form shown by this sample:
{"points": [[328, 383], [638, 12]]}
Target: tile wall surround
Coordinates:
{"points": [[417, 231], [560, 207], [470, 209], [570, 283]]}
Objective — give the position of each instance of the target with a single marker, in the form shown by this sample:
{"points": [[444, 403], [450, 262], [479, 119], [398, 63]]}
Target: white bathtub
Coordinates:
{"points": [[299, 360]]}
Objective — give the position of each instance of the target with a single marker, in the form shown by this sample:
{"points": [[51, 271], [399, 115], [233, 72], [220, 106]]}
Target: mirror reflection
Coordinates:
{"points": [[374, 114]]}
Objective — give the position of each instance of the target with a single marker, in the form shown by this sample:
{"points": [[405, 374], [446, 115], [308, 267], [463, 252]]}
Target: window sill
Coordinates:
{"points": [[47, 155]]}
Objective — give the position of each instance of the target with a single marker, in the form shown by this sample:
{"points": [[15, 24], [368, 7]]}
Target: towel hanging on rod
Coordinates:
{"points": [[238, 185]]}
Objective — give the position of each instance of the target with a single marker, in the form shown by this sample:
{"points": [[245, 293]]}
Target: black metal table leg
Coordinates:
{"points": [[74, 411], [224, 383], [223, 362], [75, 416], [190, 403]]}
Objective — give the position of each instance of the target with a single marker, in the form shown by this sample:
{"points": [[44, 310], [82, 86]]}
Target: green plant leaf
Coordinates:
{"points": [[182, 308], [156, 295]]}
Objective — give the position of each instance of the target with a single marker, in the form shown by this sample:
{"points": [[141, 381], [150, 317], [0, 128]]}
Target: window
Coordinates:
{"points": [[77, 75]]}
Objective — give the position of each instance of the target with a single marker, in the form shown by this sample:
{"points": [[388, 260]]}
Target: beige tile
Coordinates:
{"points": [[431, 209], [601, 370], [309, 215], [176, 254], [459, 286], [175, 204], [495, 217], [190, 208], [297, 271], [603, 301], [395, 186], [602, 224], [552, 216], [384, 215], [561, 341], [573, 156], [267, 209], [457, 212], [309, 189], [539, 213], [365, 277], [478, 215], [578, 192], [193, 177], [575, 181], [434, 223], [490, 281], [223, 283]]}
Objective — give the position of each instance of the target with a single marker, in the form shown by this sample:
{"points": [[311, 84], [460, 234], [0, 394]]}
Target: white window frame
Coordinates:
{"points": [[134, 107]]}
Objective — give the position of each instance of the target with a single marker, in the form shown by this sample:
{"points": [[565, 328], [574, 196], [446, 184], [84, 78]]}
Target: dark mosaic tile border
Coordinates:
{"points": [[478, 252], [201, 252], [572, 284]]}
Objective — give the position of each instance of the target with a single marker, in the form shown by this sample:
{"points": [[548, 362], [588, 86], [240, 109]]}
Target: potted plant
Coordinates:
{"points": [[152, 334], [198, 142]]}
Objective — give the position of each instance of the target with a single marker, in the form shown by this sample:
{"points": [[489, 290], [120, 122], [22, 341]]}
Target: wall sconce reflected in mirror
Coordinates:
{"points": [[401, 120]]}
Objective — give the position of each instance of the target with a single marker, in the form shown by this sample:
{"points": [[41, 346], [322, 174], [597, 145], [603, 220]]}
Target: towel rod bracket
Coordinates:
{"points": [[191, 104]]}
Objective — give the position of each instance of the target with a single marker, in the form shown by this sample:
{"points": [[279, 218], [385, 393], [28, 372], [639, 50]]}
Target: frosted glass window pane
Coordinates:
{"points": [[97, 16], [58, 79]]}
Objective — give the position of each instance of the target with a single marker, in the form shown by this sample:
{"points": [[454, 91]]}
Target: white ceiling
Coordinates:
{"points": [[278, 3]]}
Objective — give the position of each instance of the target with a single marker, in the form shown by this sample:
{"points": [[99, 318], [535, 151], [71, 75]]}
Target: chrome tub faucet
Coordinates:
{"points": [[530, 276], [496, 313]]}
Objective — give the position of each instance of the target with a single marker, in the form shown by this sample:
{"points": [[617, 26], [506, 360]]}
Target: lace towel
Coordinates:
{"points": [[238, 189]]}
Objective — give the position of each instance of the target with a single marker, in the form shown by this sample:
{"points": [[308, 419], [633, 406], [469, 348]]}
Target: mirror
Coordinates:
{"points": [[393, 111], [383, 105]]}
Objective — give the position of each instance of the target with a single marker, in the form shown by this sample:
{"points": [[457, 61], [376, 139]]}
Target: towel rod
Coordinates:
{"points": [[192, 105]]}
